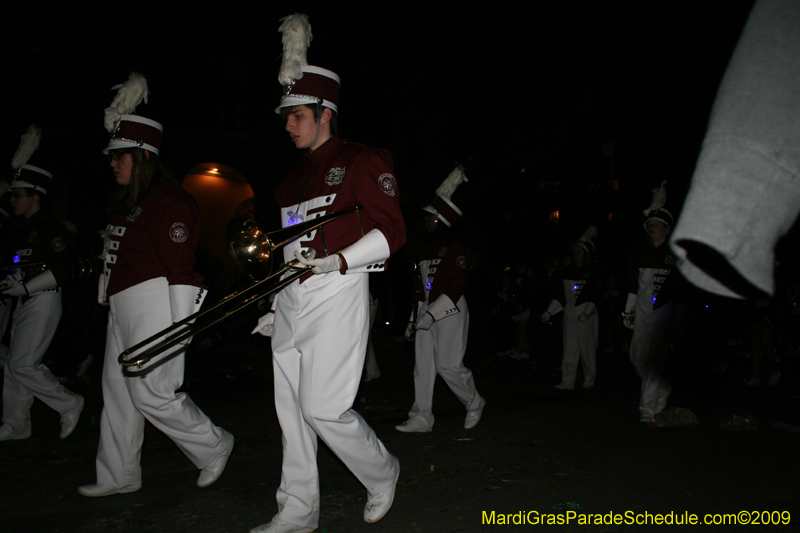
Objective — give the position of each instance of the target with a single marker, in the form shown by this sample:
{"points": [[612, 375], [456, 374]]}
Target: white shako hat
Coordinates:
{"points": [[656, 210], [586, 241], [28, 176], [304, 84], [128, 130], [442, 206]]}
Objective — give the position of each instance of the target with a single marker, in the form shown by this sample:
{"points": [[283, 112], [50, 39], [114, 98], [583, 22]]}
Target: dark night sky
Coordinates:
{"points": [[544, 87]]}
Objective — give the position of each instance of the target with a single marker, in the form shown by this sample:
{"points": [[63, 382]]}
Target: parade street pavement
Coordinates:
{"points": [[537, 451]]}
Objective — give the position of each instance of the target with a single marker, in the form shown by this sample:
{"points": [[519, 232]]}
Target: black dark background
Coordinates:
{"points": [[576, 94]]}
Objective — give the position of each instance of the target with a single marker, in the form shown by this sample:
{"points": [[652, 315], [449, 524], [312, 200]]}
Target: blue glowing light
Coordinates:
{"points": [[15, 259], [294, 218]]}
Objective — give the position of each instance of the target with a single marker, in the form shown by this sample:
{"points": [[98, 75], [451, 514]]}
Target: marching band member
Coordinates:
{"points": [[43, 242], [442, 326], [580, 289], [320, 323], [149, 282], [650, 307]]}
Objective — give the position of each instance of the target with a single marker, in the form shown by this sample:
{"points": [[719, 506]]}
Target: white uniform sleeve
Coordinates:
{"points": [[745, 191]]}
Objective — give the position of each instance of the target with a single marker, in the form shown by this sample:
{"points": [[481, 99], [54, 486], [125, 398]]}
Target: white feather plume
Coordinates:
{"points": [[589, 234], [296, 39], [449, 185], [28, 145], [129, 95], [659, 199]]}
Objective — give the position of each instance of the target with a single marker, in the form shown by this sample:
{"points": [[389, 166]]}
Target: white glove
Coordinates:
{"points": [[546, 318], [409, 335], [265, 325], [425, 321], [630, 307], [322, 265], [13, 287], [583, 317]]}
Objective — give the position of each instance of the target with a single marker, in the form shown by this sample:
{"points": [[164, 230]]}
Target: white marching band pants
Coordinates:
{"points": [[129, 399], [580, 344], [319, 344], [649, 347], [25, 377], [440, 350]]}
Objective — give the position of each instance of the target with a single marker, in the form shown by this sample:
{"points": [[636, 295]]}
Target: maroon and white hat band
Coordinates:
{"points": [[317, 85], [662, 215], [444, 209], [31, 177], [133, 131], [586, 245]]}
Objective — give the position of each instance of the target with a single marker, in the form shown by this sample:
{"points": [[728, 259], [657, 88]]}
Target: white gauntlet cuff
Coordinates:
{"points": [[442, 307], [367, 254], [185, 300], [554, 307]]}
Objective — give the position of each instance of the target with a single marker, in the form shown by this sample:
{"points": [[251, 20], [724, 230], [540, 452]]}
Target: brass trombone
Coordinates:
{"points": [[253, 252]]}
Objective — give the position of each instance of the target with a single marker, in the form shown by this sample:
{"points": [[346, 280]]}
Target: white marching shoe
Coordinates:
{"points": [[474, 415], [69, 420], [415, 424], [97, 490], [379, 504], [211, 473], [279, 526], [7, 433]]}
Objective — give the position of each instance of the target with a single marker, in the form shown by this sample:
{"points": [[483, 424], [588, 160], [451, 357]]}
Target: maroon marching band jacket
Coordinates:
{"points": [[158, 239], [42, 238], [586, 280], [449, 262], [338, 175]]}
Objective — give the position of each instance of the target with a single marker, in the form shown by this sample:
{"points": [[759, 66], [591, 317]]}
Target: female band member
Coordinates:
{"points": [[149, 282]]}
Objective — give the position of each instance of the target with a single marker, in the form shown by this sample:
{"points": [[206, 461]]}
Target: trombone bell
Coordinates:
{"points": [[250, 248]]}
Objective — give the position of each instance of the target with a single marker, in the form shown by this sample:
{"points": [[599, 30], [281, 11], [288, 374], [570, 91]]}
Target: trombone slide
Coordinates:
{"points": [[257, 248]]}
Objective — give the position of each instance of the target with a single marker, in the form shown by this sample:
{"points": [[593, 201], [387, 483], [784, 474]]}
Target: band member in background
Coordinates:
{"points": [[320, 323], [149, 282], [650, 308], [577, 296], [442, 326], [43, 243]]}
